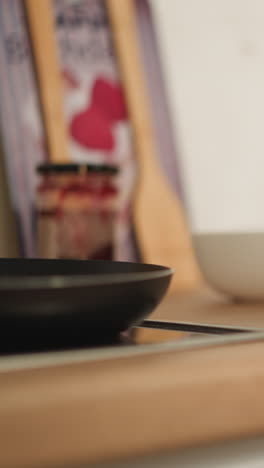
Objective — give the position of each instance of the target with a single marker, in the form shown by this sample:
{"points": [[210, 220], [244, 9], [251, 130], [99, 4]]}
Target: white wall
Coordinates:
{"points": [[213, 59]]}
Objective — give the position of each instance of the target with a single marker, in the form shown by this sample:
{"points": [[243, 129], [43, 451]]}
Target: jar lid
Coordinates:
{"points": [[77, 168]]}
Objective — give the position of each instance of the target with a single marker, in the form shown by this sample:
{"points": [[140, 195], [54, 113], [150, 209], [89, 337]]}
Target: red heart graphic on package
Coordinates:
{"points": [[91, 129], [109, 97]]}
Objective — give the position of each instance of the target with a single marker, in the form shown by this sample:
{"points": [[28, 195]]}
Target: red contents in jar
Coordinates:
{"points": [[76, 215]]}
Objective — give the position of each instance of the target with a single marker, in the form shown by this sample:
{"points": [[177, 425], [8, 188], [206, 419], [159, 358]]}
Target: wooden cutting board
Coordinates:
{"points": [[75, 414]]}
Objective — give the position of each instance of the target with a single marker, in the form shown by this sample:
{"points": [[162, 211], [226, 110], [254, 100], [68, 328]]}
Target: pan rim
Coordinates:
{"points": [[54, 282]]}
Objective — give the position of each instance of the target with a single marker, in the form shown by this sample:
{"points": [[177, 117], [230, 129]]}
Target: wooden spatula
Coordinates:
{"points": [[159, 220], [42, 33]]}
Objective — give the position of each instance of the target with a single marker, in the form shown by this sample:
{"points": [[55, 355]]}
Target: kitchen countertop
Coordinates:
{"points": [[207, 306], [115, 408]]}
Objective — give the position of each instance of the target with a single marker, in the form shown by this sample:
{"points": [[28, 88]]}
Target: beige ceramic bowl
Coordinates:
{"points": [[233, 263]]}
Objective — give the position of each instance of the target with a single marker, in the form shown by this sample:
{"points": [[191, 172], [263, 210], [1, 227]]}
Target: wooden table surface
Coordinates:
{"points": [[206, 306], [118, 408]]}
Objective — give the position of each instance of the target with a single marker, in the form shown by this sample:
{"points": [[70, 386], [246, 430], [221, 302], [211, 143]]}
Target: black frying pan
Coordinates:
{"points": [[57, 302]]}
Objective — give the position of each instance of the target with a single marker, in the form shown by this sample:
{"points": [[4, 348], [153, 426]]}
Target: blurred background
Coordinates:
{"points": [[106, 105], [98, 129]]}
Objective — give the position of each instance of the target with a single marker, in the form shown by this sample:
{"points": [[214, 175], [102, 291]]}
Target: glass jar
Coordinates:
{"points": [[76, 211]]}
